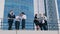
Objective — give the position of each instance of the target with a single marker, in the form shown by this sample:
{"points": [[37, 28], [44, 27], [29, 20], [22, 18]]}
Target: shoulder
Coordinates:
{"points": [[9, 15], [45, 17], [24, 15]]}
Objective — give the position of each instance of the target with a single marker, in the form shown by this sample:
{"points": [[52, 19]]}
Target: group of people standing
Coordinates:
{"points": [[41, 22], [12, 17]]}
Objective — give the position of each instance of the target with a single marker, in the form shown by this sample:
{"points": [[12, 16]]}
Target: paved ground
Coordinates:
{"points": [[27, 32]]}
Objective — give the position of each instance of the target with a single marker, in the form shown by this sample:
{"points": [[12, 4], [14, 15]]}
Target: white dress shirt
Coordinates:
{"points": [[24, 17], [44, 19], [18, 18]]}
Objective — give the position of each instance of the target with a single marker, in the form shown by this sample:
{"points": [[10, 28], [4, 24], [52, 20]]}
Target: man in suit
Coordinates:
{"points": [[11, 17], [23, 20]]}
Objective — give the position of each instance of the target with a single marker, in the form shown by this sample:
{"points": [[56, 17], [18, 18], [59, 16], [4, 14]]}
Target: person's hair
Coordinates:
{"points": [[35, 14], [11, 11], [23, 13]]}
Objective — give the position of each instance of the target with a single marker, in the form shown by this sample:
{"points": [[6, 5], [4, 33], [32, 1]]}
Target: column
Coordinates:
{"points": [[52, 14], [1, 10]]}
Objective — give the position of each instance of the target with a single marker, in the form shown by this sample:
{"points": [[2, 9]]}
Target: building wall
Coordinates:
{"points": [[19, 6], [52, 14], [58, 6], [1, 10], [39, 8]]}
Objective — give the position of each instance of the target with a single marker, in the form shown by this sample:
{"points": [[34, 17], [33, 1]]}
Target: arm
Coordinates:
{"points": [[8, 16]]}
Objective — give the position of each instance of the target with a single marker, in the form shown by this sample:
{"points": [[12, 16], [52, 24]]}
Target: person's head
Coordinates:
{"points": [[11, 11], [35, 14], [22, 13]]}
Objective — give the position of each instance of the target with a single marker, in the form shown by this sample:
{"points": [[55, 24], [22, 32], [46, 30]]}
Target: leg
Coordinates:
{"points": [[10, 25], [37, 27], [17, 24], [44, 27], [40, 25], [23, 24]]}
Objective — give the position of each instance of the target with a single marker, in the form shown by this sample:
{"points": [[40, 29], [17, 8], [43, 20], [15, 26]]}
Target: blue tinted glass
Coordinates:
{"points": [[19, 6], [59, 7]]}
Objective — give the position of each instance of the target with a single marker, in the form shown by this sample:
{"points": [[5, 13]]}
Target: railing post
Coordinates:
{"points": [[0, 23], [33, 26]]}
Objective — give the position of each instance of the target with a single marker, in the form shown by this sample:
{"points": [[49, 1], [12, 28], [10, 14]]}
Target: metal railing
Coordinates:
{"points": [[4, 25]]}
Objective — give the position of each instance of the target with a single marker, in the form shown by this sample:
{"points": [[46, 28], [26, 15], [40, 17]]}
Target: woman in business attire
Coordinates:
{"points": [[36, 22]]}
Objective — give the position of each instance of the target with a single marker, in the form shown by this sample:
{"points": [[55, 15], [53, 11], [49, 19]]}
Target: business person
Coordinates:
{"points": [[43, 22], [11, 17], [36, 21], [24, 17], [17, 22]]}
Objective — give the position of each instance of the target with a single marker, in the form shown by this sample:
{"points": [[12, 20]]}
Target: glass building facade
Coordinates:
{"points": [[19, 6], [52, 15], [27, 6], [58, 1]]}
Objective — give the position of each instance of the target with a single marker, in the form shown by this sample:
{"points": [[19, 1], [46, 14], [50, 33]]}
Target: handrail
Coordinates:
{"points": [[26, 25]]}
